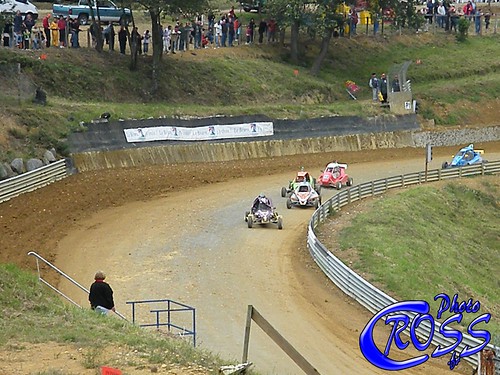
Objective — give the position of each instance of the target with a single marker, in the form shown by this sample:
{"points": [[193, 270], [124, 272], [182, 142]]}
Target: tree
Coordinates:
{"points": [[156, 8], [327, 18], [95, 27], [290, 13]]}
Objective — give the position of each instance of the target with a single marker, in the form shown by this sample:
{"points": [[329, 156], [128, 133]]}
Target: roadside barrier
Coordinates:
{"points": [[354, 285], [33, 180]]}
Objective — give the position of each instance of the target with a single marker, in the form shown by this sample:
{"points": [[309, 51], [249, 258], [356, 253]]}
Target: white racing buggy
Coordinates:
{"points": [[304, 195], [263, 212]]}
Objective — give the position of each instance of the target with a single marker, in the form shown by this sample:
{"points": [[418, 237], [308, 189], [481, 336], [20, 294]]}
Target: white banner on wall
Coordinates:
{"points": [[202, 133]]}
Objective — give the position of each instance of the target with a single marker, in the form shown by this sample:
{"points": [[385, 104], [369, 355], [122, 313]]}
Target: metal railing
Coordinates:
{"points": [[170, 307], [354, 285], [32, 180], [70, 279]]}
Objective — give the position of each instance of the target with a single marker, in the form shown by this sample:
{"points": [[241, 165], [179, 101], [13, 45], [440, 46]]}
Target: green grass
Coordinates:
{"points": [[36, 315], [82, 84], [430, 240]]}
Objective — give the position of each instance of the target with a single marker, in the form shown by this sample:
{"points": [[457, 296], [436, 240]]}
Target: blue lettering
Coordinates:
{"points": [[396, 331], [414, 325], [445, 303], [478, 334], [370, 350], [449, 333]]}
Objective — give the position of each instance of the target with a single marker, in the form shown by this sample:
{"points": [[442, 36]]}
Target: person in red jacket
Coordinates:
{"points": [[46, 29], [61, 26]]}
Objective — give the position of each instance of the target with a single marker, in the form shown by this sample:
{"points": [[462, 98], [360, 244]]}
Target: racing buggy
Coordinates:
{"points": [[301, 177], [466, 156], [304, 196], [335, 176], [263, 212]]}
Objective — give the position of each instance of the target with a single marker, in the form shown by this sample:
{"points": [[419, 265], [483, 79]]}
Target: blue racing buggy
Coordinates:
{"points": [[466, 156]]}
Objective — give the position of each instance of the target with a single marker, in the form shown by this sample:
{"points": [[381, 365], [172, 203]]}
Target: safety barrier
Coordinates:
{"points": [[32, 180], [354, 285]]}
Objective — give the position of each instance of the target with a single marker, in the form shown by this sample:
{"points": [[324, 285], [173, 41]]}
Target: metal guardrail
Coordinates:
{"points": [[32, 180], [354, 285], [40, 278]]}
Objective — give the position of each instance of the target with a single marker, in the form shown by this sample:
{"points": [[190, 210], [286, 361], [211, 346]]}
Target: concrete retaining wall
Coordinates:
{"points": [[225, 151], [209, 152]]}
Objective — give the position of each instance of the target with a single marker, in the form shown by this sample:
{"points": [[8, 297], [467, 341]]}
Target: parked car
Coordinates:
{"points": [[24, 6], [108, 11], [466, 156], [335, 176]]}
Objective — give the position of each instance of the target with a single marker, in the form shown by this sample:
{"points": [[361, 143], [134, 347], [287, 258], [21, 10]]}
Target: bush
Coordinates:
{"points": [[463, 30]]}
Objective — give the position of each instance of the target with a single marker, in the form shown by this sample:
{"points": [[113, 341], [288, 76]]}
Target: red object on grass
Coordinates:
{"points": [[110, 371]]}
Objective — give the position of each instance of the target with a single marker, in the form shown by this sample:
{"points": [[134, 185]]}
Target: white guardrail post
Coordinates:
{"points": [[32, 180], [354, 285]]}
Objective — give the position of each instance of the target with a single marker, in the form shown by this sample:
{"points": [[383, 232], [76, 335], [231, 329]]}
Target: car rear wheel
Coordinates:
{"points": [[83, 19], [280, 223], [283, 192], [246, 215], [250, 222], [349, 182], [288, 203], [338, 185], [317, 204]]}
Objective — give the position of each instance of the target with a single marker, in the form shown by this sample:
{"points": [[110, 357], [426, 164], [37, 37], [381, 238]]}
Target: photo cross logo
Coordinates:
{"points": [[409, 315]]}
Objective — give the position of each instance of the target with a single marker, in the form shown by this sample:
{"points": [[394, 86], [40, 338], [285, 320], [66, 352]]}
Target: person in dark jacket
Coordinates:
{"points": [[101, 295], [122, 39]]}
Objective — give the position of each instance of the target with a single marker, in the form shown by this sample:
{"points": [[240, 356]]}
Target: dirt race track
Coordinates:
{"points": [[177, 232]]}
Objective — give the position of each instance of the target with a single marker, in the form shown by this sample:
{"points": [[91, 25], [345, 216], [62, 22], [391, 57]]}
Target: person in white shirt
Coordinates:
{"points": [[218, 34], [167, 34], [441, 15]]}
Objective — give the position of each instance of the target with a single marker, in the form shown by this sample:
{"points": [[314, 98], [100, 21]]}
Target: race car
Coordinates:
{"points": [[263, 212], [302, 176], [466, 156], [334, 176], [304, 195]]}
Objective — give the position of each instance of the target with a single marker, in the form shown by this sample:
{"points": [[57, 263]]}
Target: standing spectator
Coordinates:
{"points": [[252, 29], [197, 34], [146, 38], [262, 30], [477, 21], [441, 14], [218, 34], [452, 13], [111, 36], [224, 32], [18, 32], [230, 32], [175, 39], [122, 39], [374, 85], [61, 26], [353, 18], [26, 37], [55, 32], [271, 30], [101, 295], [7, 34], [395, 84], [75, 33], [35, 37], [237, 29], [383, 88], [167, 36], [46, 29], [29, 22], [487, 17]]}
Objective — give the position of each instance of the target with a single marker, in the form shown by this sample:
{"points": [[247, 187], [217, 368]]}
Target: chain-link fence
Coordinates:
{"points": [[15, 84]]}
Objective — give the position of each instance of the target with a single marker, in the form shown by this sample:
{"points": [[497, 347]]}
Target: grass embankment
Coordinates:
{"points": [[36, 315], [455, 84], [432, 239]]}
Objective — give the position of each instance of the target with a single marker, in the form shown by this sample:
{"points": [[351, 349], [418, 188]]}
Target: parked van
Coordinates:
{"points": [[24, 6]]}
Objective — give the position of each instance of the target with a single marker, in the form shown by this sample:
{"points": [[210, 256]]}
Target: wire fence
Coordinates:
{"points": [[15, 84]]}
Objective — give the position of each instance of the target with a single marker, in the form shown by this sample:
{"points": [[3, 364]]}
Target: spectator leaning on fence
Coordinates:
{"points": [[374, 85]]}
